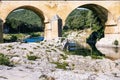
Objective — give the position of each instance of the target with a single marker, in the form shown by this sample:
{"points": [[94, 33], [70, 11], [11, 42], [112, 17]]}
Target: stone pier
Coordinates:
{"points": [[53, 29], [1, 31]]}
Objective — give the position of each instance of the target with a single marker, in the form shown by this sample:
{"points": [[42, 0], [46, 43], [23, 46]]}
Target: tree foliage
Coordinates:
{"points": [[23, 20], [81, 19], [85, 18]]}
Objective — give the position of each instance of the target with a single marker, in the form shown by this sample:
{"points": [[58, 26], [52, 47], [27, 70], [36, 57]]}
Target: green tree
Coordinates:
{"points": [[81, 19], [24, 19]]}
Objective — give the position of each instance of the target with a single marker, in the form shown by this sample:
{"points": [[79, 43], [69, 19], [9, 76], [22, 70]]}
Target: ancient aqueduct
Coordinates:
{"points": [[108, 12]]}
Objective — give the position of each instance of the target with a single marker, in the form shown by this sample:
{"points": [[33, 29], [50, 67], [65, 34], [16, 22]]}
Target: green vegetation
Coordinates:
{"points": [[96, 57], [116, 43], [81, 19], [20, 36], [61, 65], [23, 21], [35, 34], [10, 38], [10, 46], [4, 60], [64, 56], [32, 57], [13, 37]]}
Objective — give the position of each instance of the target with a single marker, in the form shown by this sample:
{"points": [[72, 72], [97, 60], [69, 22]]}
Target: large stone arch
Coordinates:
{"points": [[102, 12], [44, 18], [28, 7], [105, 17], [32, 8]]}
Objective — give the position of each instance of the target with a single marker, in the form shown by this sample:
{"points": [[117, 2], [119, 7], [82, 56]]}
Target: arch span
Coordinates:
{"points": [[98, 10], [63, 8], [104, 15], [24, 26], [34, 9]]}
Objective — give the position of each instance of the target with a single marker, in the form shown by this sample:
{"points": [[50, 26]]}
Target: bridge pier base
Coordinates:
{"points": [[53, 29], [47, 32], [1, 31]]}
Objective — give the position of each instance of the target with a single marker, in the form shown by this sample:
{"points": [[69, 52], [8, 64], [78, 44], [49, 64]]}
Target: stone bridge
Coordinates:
{"points": [[51, 11]]}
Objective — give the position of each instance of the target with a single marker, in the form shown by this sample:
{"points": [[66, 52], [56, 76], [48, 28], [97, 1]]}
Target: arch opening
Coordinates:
{"points": [[23, 22], [90, 20]]}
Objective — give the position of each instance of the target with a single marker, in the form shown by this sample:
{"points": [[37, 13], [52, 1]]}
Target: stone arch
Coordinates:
{"points": [[44, 18], [103, 14], [100, 11], [32, 8]]}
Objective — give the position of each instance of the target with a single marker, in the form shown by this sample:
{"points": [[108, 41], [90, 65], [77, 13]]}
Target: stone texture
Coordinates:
{"points": [[79, 67]]}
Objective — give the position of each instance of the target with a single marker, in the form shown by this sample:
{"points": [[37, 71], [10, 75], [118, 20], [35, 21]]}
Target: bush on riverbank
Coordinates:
{"points": [[4, 60]]}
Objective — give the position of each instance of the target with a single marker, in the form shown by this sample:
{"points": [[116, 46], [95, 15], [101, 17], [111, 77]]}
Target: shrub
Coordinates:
{"points": [[116, 43], [64, 56], [31, 57], [61, 65], [4, 60], [13, 38], [35, 35], [10, 46], [96, 57]]}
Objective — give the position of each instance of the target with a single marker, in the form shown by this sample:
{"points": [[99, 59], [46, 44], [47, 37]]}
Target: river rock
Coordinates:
{"points": [[15, 60]]}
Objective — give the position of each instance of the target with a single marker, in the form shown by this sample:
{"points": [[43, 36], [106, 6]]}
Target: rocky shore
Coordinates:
{"points": [[53, 64]]}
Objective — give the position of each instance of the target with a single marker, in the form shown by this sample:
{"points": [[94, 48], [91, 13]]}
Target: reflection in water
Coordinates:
{"points": [[92, 41], [110, 52]]}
